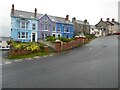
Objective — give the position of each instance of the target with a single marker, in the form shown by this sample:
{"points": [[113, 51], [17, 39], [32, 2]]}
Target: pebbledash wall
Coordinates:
{"points": [[31, 26]]}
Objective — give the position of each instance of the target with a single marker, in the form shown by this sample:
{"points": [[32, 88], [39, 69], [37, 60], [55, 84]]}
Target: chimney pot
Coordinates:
{"points": [[101, 19], [108, 19], [12, 10], [35, 12], [113, 20], [85, 20], [12, 6], [67, 17]]}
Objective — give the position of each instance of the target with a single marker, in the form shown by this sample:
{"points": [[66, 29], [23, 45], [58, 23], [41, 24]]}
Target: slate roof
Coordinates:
{"points": [[92, 26], [30, 15], [108, 22], [81, 22]]}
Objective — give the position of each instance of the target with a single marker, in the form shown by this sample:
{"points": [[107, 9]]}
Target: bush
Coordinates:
{"points": [[29, 47], [51, 39], [65, 39]]}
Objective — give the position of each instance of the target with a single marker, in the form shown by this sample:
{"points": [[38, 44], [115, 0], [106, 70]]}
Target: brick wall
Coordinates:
{"points": [[69, 45]]}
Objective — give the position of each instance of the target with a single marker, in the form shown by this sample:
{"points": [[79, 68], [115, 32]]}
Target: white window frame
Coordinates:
{"points": [[33, 26], [54, 28], [26, 34], [23, 35], [23, 25]]}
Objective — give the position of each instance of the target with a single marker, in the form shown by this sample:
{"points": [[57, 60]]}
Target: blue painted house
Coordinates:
{"points": [[65, 28], [32, 26], [24, 25]]}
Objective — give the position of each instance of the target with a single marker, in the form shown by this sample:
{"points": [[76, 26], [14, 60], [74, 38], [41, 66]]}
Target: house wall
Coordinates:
{"points": [[16, 26], [66, 30], [41, 26], [80, 28], [115, 28]]}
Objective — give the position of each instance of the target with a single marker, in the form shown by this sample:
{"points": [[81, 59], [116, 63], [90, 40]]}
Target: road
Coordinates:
{"points": [[94, 65]]}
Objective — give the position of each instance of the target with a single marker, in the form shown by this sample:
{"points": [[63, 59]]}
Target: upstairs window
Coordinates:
{"points": [[26, 25], [59, 30], [33, 26], [66, 30], [23, 24], [46, 27], [53, 28], [18, 24]]}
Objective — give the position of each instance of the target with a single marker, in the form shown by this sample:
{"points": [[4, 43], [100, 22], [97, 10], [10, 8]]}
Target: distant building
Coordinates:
{"points": [[31, 26], [108, 27], [95, 31], [81, 26]]}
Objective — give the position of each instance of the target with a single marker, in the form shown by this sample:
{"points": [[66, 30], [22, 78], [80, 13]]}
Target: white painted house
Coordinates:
{"points": [[95, 31]]}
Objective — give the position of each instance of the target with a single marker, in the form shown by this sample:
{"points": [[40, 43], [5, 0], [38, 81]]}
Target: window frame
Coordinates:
{"points": [[23, 25], [23, 36], [33, 26]]}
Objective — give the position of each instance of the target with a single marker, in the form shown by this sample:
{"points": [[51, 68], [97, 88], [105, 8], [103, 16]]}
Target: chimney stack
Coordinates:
{"points": [[67, 17], [101, 19], [85, 21], [35, 14], [12, 10], [108, 19], [73, 19]]}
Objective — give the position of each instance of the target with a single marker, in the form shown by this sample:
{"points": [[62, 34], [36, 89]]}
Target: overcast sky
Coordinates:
{"points": [[92, 10]]}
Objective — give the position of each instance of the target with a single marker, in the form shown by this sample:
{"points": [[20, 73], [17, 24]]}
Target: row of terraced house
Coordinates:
{"points": [[33, 26]]}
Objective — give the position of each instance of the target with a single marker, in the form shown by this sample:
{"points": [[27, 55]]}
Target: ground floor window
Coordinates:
{"points": [[18, 34], [22, 34], [26, 34], [58, 35], [54, 35], [42, 35], [67, 36]]}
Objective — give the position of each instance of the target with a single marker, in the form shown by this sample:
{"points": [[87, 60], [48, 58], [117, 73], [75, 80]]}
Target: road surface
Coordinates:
{"points": [[94, 65]]}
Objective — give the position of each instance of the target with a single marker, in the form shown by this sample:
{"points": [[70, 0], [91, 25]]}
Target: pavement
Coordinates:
{"points": [[94, 65]]}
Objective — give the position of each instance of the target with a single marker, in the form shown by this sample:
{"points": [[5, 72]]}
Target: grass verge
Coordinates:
{"points": [[31, 55]]}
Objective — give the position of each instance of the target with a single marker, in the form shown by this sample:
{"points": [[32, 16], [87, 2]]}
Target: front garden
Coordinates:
{"points": [[21, 50], [27, 50]]}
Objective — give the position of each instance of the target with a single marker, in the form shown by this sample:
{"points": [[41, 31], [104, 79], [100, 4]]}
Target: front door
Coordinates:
{"points": [[33, 37]]}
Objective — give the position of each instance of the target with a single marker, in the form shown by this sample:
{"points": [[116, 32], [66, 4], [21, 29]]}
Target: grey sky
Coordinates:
{"points": [[92, 10]]}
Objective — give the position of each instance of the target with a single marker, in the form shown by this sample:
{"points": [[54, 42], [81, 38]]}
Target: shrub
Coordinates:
{"points": [[51, 38], [65, 39]]}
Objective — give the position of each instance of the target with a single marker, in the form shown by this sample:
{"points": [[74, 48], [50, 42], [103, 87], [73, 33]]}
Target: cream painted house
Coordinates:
{"points": [[95, 31]]}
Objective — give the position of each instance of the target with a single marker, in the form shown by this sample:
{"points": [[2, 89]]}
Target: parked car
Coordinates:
{"points": [[117, 33], [4, 45]]}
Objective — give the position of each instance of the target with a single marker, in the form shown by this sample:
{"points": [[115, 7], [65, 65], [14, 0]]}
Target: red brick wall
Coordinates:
{"points": [[69, 45]]}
